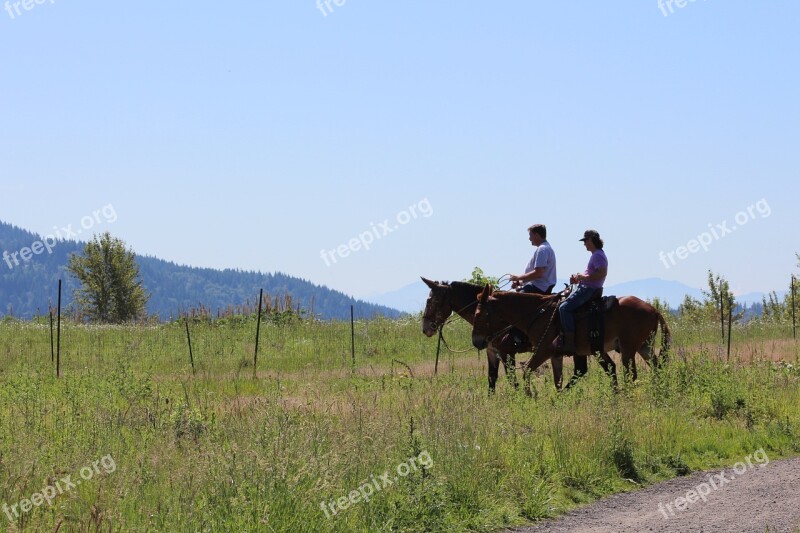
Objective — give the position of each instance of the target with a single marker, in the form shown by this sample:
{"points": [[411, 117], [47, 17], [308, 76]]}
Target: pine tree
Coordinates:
{"points": [[111, 290]]}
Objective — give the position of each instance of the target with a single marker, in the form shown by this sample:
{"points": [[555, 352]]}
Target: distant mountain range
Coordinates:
{"points": [[411, 298], [27, 287], [30, 268]]}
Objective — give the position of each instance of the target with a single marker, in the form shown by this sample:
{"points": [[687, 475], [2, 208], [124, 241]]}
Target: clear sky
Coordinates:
{"points": [[257, 135]]}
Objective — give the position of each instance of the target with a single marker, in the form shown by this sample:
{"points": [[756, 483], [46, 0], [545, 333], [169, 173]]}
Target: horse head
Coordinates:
{"points": [[482, 327], [437, 307]]}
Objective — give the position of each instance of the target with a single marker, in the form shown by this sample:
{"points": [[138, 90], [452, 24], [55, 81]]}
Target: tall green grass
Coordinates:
{"points": [[222, 451]]}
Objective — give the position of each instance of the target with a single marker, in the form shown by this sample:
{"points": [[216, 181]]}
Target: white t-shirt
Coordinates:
{"points": [[543, 257]]}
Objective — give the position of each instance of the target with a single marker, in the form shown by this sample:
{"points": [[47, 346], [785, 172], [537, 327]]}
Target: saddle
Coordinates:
{"points": [[597, 303], [595, 311]]}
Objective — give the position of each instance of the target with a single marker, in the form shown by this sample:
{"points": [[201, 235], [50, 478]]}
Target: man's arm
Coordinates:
{"points": [[600, 273], [536, 273]]}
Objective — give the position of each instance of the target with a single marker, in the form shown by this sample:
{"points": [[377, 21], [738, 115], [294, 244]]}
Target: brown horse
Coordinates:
{"points": [[630, 327], [462, 298]]}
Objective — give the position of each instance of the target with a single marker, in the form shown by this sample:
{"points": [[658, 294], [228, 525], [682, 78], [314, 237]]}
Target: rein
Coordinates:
{"points": [[541, 309], [503, 281], [452, 316], [449, 349], [541, 338]]}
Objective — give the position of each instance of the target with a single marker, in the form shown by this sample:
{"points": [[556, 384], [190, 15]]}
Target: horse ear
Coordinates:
{"points": [[429, 283], [484, 295]]}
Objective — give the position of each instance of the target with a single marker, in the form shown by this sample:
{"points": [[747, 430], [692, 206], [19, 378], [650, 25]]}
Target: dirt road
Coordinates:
{"points": [[756, 498]]}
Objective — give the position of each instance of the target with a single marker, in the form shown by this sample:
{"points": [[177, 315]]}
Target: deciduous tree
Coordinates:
{"points": [[111, 290]]}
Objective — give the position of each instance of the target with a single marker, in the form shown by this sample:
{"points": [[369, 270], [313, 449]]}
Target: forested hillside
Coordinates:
{"points": [[27, 287]]}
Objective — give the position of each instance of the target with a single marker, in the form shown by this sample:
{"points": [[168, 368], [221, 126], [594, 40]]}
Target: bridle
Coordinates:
{"points": [[440, 328], [501, 282]]}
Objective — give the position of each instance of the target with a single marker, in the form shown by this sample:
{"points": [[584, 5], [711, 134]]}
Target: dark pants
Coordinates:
{"points": [[533, 289], [578, 297]]}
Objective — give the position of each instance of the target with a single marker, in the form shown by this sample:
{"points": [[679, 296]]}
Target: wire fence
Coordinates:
{"points": [[221, 347], [375, 346]]}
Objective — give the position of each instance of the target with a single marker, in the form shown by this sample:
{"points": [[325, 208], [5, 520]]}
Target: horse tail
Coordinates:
{"points": [[666, 339]]}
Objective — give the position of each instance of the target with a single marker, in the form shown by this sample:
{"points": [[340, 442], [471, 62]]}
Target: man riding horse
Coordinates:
{"points": [[590, 285], [540, 278]]}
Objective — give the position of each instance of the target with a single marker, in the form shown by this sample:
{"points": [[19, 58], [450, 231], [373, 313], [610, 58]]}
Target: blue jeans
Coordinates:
{"points": [[579, 296]]}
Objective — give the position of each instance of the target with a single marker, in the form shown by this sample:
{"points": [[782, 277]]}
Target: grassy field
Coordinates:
{"points": [[306, 442]]}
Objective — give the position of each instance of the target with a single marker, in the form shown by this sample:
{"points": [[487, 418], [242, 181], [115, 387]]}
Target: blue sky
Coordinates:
{"points": [[257, 135]]}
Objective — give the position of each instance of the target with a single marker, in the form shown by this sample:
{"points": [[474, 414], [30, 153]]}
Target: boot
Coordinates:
{"points": [[567, 346]]}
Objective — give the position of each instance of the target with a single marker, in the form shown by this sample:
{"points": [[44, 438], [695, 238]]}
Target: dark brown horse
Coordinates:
{"points": [[462, 298], [630, 327]]}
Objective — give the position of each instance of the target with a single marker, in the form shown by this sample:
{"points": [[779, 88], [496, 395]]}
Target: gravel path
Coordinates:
{"points": [[752, 498]]}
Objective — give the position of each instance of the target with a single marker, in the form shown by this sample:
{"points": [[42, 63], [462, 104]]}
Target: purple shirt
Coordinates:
{"points": [[596, 262]]}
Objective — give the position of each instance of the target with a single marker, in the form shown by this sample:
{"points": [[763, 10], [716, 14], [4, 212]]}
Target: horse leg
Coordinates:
{"points": [[558, 370], [581, 365], [533, 363], [609, 367], [629, 363], [526, 377], [493, 360], [511, 374], [647, 351]]}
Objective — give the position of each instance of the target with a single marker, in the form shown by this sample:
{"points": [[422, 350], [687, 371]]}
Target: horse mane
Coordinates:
{"points": [[463, 294], [525, 299], [465, 286]]}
